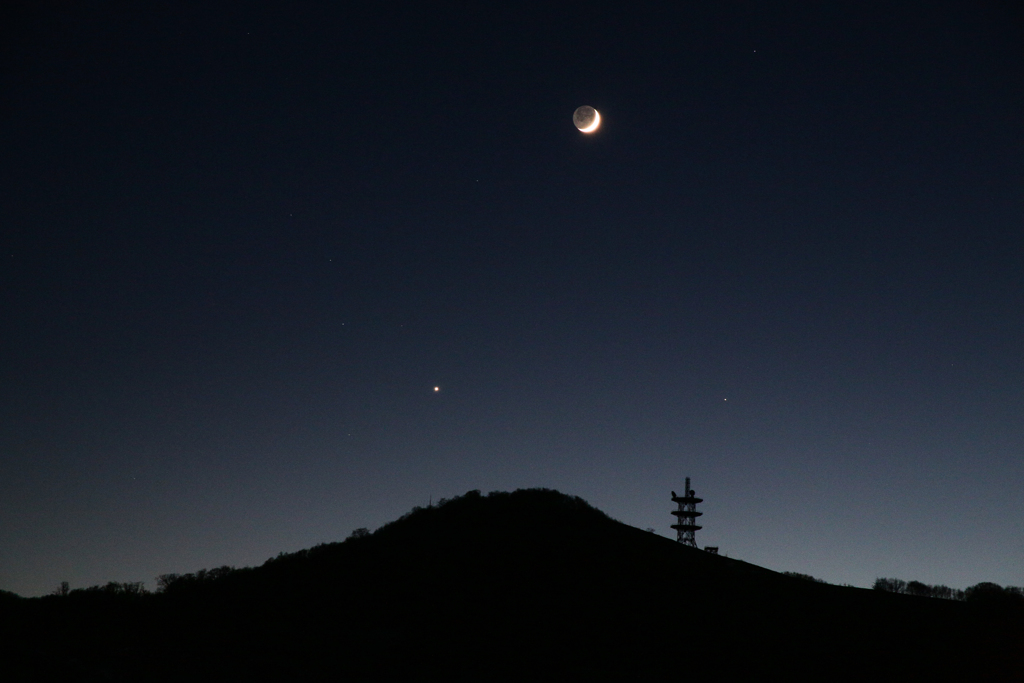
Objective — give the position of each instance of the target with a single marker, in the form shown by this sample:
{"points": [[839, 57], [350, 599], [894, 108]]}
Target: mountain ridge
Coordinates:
{"points": [[530, 584]]}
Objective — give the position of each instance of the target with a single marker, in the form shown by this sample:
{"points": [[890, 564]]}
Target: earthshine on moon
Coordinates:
{"points": [[586, 118]]}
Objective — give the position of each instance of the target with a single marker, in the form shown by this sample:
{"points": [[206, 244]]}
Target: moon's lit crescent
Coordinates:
{"points": [[586, 119], [592, 127]]}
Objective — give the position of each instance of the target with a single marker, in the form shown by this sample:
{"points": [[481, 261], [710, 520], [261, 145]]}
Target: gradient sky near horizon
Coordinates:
{"points": [[242, 244]]}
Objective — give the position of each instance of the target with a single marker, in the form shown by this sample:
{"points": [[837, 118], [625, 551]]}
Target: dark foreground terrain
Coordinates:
{"points": [[528, 586]]}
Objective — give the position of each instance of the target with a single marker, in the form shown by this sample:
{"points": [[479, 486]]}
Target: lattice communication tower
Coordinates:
{"points": [[686, 515]]}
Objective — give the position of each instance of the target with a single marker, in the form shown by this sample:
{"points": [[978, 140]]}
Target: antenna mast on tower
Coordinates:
{"points": [[686, 515]]}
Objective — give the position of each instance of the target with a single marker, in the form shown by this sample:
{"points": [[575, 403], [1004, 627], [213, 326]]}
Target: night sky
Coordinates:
{"points": [[241, 246]]}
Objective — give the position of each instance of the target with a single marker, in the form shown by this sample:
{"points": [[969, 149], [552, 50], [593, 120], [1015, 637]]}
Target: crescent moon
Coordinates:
{"points": [[592, 127], [586, 119]]}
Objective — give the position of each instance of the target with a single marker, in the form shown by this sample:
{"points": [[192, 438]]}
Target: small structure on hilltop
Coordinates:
{"points": [[686, 515]]}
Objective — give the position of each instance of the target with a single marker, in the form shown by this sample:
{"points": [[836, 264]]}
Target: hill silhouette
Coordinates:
{"points": [[531, 585]]}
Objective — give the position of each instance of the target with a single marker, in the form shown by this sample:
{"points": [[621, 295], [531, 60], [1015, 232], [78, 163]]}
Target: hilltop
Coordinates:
{"points": [[530, 585]]}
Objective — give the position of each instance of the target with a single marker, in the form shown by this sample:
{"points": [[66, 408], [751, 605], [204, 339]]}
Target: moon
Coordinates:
{"points": [[586, 118]]}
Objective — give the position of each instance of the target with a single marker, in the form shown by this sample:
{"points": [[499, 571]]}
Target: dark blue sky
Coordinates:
{"points": [[242, 245]]}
